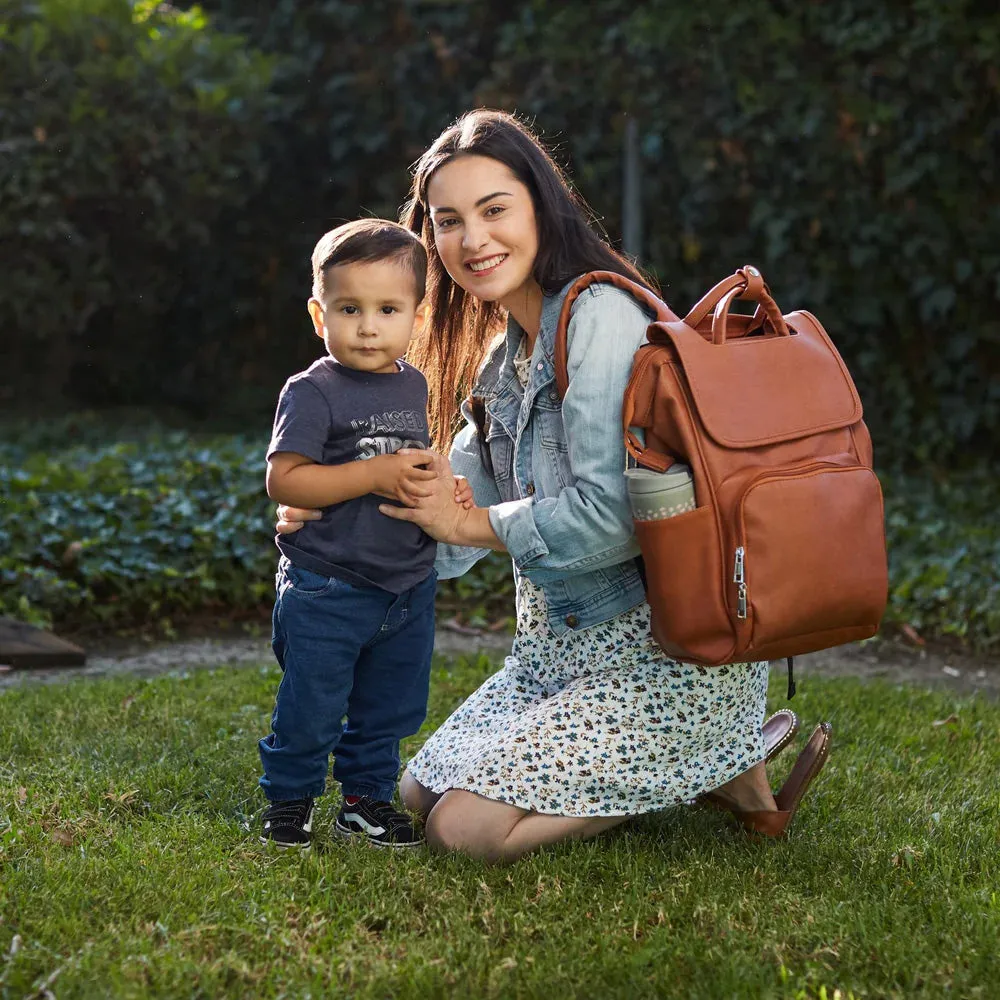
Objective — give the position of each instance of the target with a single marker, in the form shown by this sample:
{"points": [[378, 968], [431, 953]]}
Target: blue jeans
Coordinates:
{"points": [[358, 652]]}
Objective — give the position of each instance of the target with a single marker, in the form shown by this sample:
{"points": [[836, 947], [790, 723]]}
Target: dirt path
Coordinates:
{"points": [[116, 657], [889, 660]]}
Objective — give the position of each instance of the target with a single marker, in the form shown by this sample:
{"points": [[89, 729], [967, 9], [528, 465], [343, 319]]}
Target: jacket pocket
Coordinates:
{"points": [[501, 453]]}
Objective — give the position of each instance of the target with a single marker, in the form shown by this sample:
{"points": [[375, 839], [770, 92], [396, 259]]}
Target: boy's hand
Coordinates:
{"points": [[400, 476], [463, 493]]}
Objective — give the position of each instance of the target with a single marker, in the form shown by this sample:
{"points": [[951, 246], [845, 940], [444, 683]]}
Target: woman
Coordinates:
{"points": [[588, 722]]}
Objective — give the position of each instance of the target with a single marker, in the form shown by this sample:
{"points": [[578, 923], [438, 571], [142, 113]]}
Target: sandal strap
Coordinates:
{"points": [[808, 764]]}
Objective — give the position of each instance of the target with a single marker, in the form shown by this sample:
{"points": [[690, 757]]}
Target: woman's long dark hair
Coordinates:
{"points": [[570, 243]]}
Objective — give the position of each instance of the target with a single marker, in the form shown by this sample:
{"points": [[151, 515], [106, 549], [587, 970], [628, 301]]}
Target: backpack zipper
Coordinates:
{"points": [[739, 578]]}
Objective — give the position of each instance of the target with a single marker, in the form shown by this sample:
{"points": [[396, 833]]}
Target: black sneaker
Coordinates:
{"points": [[379, 822], [288, 824]]}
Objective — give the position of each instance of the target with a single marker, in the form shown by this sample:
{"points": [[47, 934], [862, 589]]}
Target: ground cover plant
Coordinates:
{"points": [[114, 520], [129, 866]]}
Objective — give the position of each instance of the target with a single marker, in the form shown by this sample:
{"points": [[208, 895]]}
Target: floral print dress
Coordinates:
{"points": [[596, 722]]}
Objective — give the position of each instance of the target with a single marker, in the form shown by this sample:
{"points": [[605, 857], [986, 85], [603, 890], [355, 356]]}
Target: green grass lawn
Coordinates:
{"points": [[130, 867]]}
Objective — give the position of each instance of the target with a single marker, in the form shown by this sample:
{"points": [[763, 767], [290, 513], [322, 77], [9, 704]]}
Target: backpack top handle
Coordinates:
{"points": [[748, 284], [637, 291]]}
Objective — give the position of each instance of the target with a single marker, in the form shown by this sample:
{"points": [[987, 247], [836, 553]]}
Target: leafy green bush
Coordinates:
{"points": [[165, 178], [361, 90], [164, 523], [131, 137], [849, 149]]}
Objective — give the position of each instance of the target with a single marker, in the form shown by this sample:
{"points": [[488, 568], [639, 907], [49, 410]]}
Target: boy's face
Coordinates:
{"points": [[370, 315]]}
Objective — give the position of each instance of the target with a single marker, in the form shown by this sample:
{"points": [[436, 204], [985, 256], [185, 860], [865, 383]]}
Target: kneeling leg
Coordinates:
{"points": [[498, 832]]}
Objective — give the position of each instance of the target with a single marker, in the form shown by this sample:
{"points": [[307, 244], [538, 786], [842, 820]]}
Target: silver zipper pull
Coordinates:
{"points": [[739, 578]]}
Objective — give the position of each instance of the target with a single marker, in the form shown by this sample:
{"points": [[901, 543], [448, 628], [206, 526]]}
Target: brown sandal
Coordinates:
{"points": [[779, 730], [774, 823]]}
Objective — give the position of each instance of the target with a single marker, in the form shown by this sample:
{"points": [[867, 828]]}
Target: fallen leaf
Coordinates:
{"points": [[62, 837], [912, 634], [952, 720], [126, 702], [22, 795]]}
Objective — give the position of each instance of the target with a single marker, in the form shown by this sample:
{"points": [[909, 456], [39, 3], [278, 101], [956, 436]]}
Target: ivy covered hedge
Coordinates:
{"points": [[162, 524], [166, 173], [157, 526]]}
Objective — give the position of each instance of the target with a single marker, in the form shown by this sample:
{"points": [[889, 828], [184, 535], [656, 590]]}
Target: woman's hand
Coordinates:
{"points": [[437, 510], [291, 519]]}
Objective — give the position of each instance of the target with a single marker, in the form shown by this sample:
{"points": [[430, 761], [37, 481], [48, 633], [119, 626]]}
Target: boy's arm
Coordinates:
{"points": [[298, 481]]}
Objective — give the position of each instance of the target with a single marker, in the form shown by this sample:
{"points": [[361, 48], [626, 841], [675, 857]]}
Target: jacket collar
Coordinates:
{"points": [[551, 308]]}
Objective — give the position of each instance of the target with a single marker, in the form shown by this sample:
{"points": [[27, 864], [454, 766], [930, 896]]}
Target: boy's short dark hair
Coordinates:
{"points": [[364, 241]]}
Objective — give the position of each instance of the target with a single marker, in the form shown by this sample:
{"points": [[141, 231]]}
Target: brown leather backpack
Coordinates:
{"points": [[785, 552]]}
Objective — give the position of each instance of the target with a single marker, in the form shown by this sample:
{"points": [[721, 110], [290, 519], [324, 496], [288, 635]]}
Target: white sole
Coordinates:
{"points": [[267, 841], [346, 834]]}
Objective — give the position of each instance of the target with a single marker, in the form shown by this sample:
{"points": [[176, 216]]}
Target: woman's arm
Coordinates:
{"points": [[466, 459], [475, 530], [586, 525]]}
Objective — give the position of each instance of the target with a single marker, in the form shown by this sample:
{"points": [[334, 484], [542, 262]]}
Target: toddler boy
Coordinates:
{"points": [[353, 621]]}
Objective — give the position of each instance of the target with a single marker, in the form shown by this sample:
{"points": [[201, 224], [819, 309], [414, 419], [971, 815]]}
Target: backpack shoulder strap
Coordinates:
{"points": [[639, 292]]}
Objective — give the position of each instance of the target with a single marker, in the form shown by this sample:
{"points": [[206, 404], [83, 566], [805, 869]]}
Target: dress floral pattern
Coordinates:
{"points": [[596, 722]]}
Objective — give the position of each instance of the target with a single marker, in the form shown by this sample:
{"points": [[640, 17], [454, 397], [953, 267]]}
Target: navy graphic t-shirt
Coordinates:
{"points": [[332, 415]]}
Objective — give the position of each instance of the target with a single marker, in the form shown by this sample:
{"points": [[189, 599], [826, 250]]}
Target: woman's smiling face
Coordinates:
{"points": [[484, 227]]}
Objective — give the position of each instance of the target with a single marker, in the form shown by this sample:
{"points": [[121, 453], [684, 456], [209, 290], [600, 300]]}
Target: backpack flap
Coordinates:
{"points": [[752, 391]]}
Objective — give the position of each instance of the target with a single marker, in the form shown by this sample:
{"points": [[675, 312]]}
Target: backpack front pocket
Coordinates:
{"points": [[810, 559]]}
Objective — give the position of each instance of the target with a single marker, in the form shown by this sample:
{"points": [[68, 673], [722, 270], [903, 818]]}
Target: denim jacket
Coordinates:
{"points": [[557, 498]]}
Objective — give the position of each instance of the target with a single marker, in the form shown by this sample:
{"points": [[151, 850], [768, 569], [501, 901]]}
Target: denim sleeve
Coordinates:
{"points": [[588, 525], [466, 460]]}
